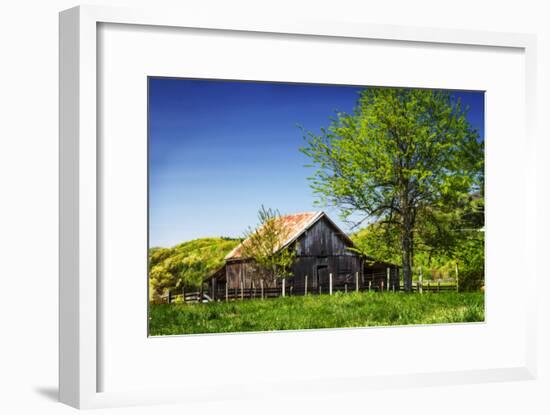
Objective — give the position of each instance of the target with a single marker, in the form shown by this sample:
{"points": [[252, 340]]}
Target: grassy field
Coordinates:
{"points": [[324, 311]]}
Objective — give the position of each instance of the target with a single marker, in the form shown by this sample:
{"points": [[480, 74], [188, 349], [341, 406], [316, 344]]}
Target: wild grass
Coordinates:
{"points": [[316, 311]]}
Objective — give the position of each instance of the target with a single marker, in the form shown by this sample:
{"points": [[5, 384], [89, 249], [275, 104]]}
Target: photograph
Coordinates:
{"points": [[296, 206]]}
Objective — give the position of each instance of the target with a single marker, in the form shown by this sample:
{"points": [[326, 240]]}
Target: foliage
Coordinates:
{"points": [[186, 264], [316, 311], [263, 244], [404, 156], [454, 241], [471, 259], [378, 241]]}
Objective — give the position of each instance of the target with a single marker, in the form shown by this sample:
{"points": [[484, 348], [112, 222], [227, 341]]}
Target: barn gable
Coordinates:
{"points": [[314, 231], [323, 238]]}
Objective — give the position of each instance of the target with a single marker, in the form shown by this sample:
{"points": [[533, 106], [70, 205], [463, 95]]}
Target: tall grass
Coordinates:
{"points": [[316, 311]]}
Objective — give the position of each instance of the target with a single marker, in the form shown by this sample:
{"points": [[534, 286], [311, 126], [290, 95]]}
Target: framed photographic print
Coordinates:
{"points": [[231, 193], [391, 162]]}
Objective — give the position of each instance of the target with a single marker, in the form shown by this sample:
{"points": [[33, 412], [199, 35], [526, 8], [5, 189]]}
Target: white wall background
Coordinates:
{"points": [[28, 206]]}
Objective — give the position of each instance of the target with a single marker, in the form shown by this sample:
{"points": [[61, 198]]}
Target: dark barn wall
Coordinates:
{"points": [[321, 251], [343, 269]]}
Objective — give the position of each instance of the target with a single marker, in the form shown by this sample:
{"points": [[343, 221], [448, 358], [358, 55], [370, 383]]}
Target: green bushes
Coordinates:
{"points": [[471, 259], [312, 312]]}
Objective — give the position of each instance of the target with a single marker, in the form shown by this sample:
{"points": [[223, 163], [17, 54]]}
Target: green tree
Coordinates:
{"points": [[400, 153], [264, 246], [379, 241]]}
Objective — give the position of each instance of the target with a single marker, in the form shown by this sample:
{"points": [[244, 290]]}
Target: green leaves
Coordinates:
{"points": [[398, 144], [401, 153]]}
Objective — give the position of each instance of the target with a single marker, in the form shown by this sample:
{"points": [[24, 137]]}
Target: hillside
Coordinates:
{"points": [[187, 263]]}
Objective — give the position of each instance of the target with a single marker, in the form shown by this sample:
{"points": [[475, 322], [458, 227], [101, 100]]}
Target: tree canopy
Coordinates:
{"points": [[405, 159]]}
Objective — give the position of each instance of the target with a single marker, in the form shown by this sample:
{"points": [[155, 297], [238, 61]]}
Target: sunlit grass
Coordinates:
{"points": [[312, 312]]}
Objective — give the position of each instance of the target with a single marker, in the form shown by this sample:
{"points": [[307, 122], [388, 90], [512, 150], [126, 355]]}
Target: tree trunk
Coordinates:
{"points": [[406, 262], [407, 250]]}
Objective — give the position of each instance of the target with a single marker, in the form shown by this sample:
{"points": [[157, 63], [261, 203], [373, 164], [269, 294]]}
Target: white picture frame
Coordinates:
{"points": [[79, 311]]}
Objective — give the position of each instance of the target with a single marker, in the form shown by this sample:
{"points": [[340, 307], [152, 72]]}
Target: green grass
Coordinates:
{"points": [[313, 312]]}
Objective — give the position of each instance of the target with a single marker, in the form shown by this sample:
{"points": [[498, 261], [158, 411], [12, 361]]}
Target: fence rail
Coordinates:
{"points": [[242, 293]]}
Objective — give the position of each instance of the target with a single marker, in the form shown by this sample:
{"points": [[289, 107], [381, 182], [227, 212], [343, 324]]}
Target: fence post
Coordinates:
{"points": [[241, 279], [346, 288], [169, 297], [456, 273], [420, 280], [214, 289], [262, 287], [305, 287], [370, 283], [226, 289], [388, 278], [330, 283], [438, 285], [283, 287], [183, 293], [356, 281]]}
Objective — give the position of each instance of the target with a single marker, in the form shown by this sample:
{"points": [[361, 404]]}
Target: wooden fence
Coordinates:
{"points": [[288, 290]]}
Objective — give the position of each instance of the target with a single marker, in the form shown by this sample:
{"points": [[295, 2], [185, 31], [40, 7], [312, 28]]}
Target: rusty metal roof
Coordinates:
{"points": [[295, 225]]}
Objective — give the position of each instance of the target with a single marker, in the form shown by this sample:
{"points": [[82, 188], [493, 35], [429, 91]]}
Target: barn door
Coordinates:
{"points": [[322, 277]]}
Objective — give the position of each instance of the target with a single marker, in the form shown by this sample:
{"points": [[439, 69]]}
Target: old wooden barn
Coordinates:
{"points": [[323, 260]]}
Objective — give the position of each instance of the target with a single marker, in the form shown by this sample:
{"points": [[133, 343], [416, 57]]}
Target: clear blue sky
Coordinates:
{"points": [[220, 149]]}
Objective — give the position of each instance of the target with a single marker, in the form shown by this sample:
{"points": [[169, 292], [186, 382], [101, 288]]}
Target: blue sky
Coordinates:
{"points": [[218, 150]]}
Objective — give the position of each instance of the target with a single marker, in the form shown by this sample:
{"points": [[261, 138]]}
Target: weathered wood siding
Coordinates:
{"points": [[239, 271], [343, 269], [321, 251], [322, 240]]}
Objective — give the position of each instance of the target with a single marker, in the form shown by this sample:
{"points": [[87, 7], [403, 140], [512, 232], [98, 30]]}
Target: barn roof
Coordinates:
{"points": [[295, 224]]}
